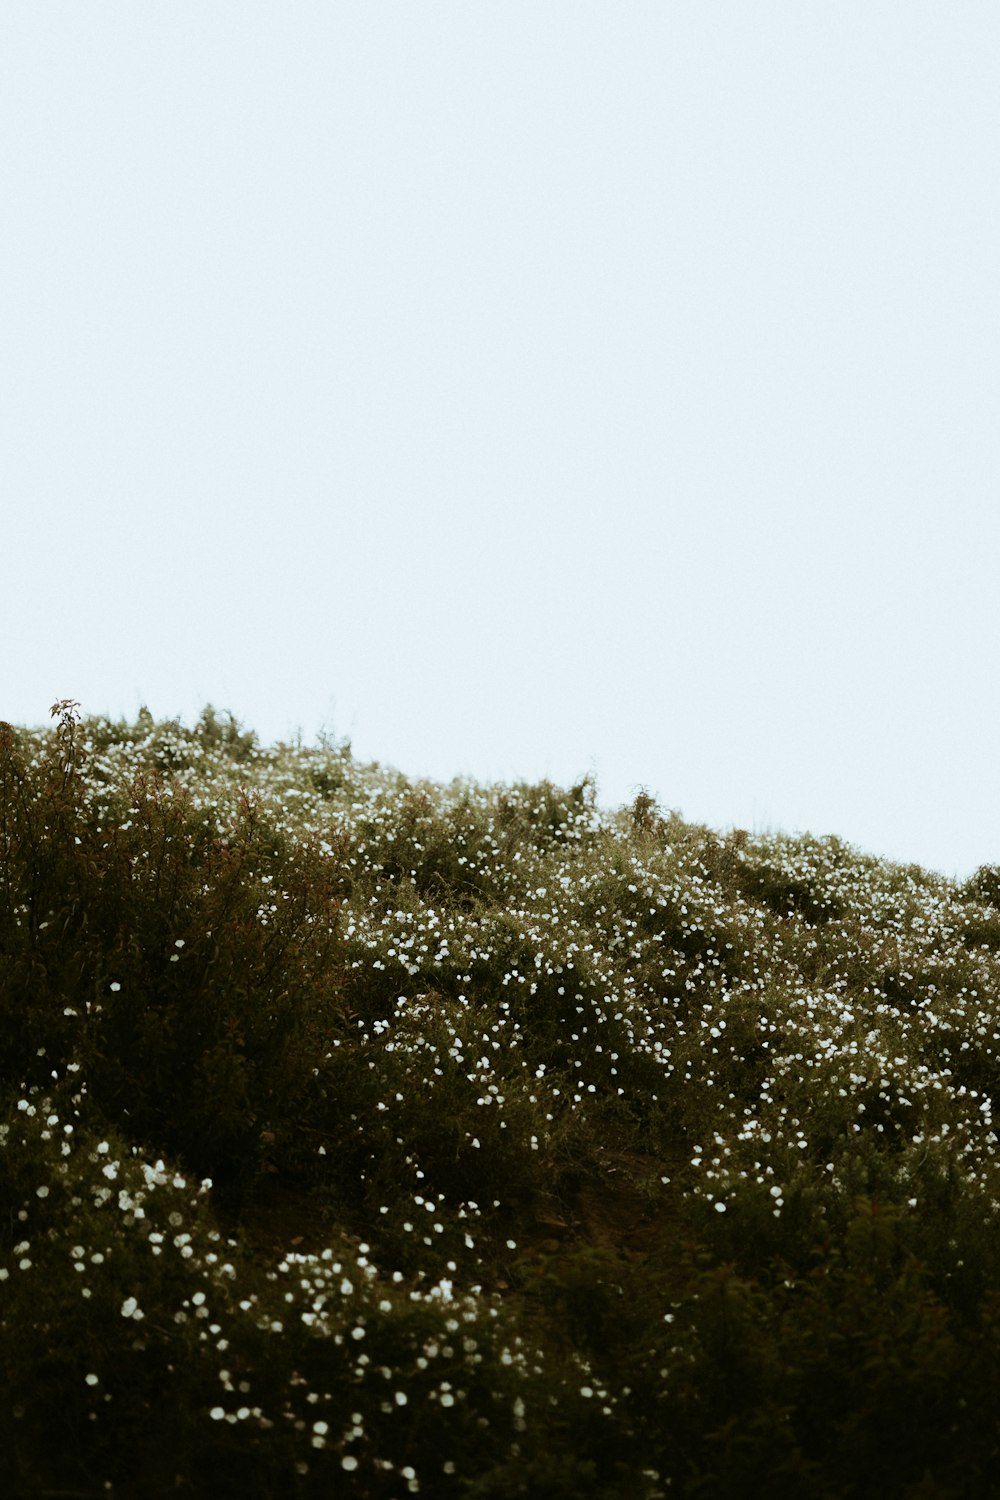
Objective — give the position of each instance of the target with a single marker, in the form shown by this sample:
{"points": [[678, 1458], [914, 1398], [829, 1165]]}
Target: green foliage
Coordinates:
{"points": [[191, 964], [370, 1137]]}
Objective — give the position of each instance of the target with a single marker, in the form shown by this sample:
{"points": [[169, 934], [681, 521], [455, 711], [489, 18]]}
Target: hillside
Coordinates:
{"points": [[371, 1137]]}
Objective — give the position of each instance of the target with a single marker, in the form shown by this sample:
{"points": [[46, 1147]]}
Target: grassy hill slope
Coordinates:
{"points": [[370, 1137]]}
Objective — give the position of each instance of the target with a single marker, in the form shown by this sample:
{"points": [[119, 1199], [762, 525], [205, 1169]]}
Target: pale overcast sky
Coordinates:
{"points": [[519, 388]]}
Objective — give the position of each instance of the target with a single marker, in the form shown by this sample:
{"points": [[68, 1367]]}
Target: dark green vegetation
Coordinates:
{"points": [[368, 1138]]}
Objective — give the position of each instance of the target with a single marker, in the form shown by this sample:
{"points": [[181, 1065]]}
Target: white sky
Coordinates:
{"points": [[519, 388]]}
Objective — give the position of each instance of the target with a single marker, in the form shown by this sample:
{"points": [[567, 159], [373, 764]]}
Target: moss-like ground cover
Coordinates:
{"points": [[367, 1138]]}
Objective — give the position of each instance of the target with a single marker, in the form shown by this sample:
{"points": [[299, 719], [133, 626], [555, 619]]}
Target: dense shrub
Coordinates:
{"points": [[192, 965], [377, 1138]]}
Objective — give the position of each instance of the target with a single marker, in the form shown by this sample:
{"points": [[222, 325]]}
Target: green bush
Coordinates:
{"points": [[378, 1138]]}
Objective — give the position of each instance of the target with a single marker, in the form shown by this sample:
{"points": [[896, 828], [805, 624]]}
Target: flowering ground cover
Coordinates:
{"points": [[369, 1137]]}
